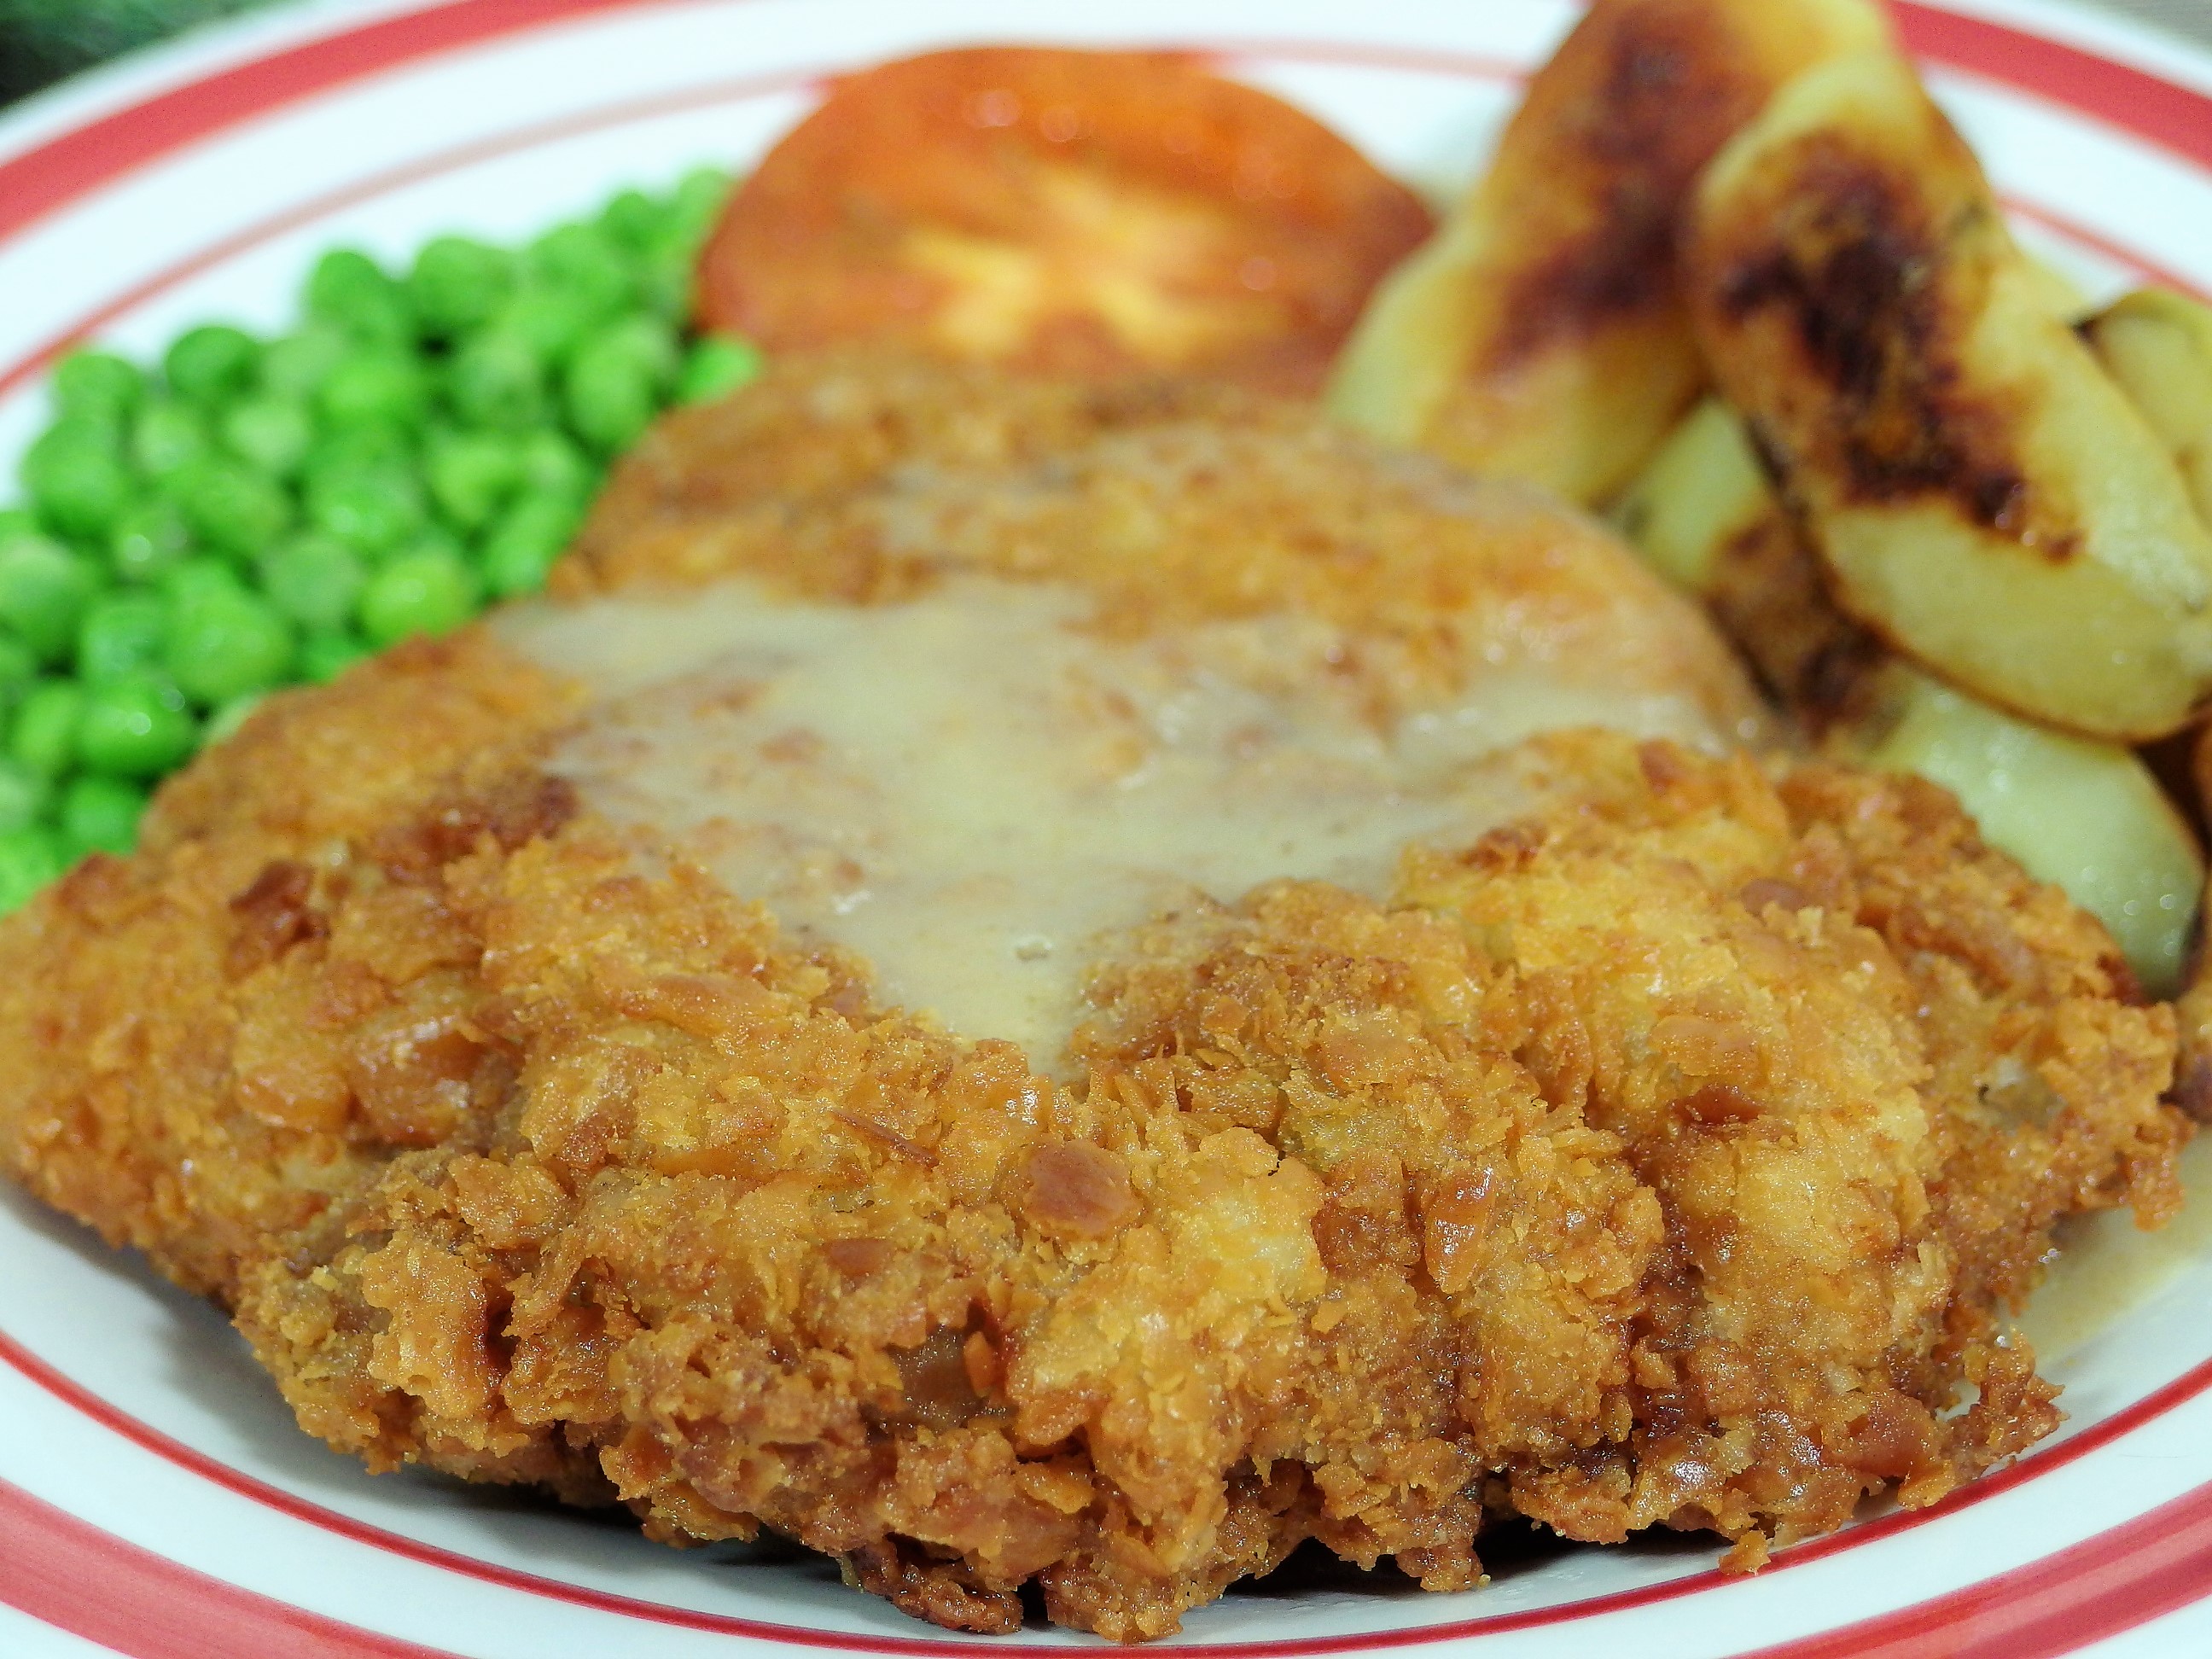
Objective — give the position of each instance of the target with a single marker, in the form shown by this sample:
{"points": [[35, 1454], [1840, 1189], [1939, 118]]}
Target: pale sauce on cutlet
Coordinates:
{"points": [[975, 791], [2107, 1268]]}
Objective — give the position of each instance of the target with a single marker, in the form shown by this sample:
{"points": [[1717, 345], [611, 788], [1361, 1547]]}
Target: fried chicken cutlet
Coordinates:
{"points": [[1524, 1100]]}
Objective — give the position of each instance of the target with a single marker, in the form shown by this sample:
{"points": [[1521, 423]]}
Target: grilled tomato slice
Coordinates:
{"points": [[1066, 212]]}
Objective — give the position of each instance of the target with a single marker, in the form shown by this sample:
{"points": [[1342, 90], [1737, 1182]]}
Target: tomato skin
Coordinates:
{"points": [[1065, 211]]}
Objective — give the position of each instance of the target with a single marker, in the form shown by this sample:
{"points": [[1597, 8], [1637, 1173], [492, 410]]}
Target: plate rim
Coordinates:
{"points": [[100, 128]]}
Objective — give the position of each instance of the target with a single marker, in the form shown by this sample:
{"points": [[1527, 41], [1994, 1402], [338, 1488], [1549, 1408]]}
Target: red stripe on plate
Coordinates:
{"points": [[2105, 1585], [2177, 118], [48, 178], [150, 1607], [2181, 1390]]}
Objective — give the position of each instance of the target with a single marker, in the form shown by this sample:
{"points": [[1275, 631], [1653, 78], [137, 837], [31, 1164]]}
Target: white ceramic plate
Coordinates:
{"points": [[155, 1496]]}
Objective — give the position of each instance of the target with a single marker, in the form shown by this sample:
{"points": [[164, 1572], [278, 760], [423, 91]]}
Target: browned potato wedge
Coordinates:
{"points": [[2158, 345], [1703, 515], [2086, 815], [1538, 334], [1984, 495]]}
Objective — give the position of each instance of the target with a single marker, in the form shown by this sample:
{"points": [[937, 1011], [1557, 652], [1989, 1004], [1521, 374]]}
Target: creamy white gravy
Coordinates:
{"points": [[2108, 1267], [974, 792]]}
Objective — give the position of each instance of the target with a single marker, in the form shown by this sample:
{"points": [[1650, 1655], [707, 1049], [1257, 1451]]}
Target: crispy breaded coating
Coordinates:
{"points": [[1668, 1157]]}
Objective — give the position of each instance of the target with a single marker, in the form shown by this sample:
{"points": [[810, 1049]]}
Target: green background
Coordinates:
{"points": [[42, 41]]}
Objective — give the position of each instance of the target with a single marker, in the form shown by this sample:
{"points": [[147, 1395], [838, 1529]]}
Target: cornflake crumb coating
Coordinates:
{"points": [[1670, 1157]]}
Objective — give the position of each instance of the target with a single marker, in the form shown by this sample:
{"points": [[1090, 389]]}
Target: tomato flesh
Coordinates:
{"points": [[1071, 212]]}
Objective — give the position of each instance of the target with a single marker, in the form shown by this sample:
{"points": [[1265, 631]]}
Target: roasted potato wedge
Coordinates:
{"points": [[2086, 815], [2158, 345], [1538, 334], [1701, 489], [1984, 495], [1703, 515], [1095, 213]]}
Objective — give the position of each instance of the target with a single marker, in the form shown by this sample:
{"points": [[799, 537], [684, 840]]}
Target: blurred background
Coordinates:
{"points": [[43, 40]]}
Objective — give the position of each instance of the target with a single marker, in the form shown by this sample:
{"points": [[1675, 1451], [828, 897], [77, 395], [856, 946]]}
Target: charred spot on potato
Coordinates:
{"points": [[1853, 267], [1668, 96], [1769, 591]]}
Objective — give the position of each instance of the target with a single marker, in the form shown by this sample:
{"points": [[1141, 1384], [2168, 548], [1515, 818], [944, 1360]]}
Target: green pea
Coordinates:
{"points": [[228, 505], [212, 362], [19, 670], [553, 465], [166, 434], [497, 379], [147, 540], [273, 433], [121, 634], [223, 645], [23, 795], [136, 727], [610, 397], [370, 509], [324, 657], [698, 202], [372, 447], [18, 521], [75, 478], [97, 385], [433, 538], [42, 737], [549, 320], [224, 722], [717, 365], [374, 387], [665, 278], [352, 293], [644, 340], [523, 545], [296, 366], [101, 815], [315, 580], [427, 592], [191, 577], [457, 283], [44, 590], [30, 857], [470, 475], [582, 261], [635, 220]]}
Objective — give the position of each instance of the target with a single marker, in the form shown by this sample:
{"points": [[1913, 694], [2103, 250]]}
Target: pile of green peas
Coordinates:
{"points": [[255, 512]]}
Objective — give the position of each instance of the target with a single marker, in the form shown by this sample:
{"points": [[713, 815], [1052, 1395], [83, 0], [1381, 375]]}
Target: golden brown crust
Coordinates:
{"points": [[1665, 1158], [853, 478]]}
